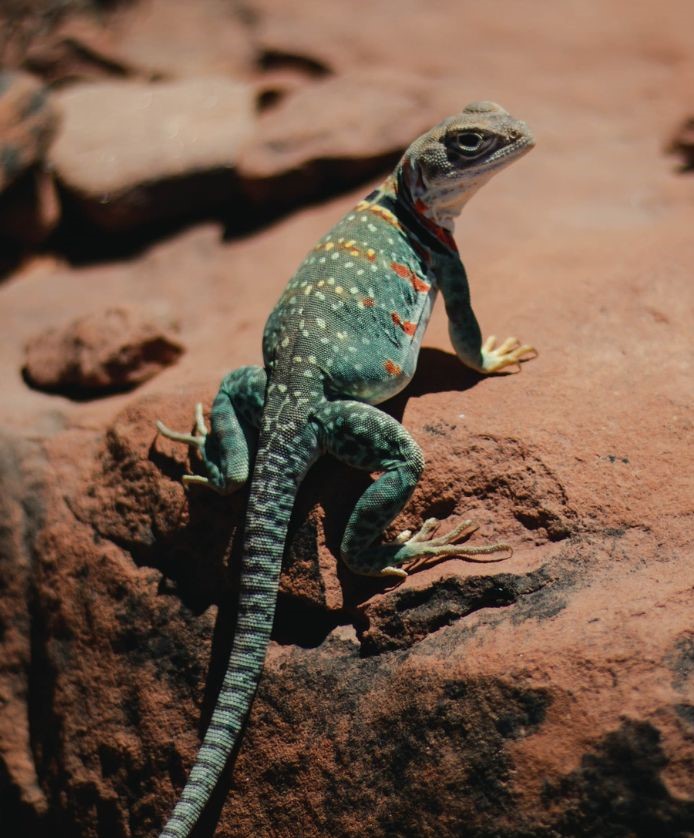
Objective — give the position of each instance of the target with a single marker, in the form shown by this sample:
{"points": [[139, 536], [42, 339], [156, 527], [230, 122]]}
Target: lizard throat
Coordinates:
{"points": [[437, 205], [412, 199]]}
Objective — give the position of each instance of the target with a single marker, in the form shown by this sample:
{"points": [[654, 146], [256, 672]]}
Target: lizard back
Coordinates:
{"points": [[358, 306]]}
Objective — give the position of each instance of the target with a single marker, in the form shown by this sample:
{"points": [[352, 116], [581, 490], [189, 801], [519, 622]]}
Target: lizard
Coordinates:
{"points": [[344, 337]]}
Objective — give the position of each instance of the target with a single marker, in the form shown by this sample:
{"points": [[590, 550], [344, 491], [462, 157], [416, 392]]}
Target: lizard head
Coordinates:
{"points": [[443, 168]]}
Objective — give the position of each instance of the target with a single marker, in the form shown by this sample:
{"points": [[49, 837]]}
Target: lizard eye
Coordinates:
{"points": [[469, 143]]}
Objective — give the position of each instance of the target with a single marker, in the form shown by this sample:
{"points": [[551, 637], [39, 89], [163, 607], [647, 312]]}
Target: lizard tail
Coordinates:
{"points": [[284, 455]]}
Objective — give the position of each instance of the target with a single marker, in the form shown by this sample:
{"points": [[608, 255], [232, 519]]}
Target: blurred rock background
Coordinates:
{"points": [[164, 166]]}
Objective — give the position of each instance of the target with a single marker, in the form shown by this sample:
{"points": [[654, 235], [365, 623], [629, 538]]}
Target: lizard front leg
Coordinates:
{"points": [[226, 450], [366, 438], [483, 357]]}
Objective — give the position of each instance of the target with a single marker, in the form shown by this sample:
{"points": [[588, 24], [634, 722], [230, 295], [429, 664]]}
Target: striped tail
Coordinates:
{"points": [[284, 455]]}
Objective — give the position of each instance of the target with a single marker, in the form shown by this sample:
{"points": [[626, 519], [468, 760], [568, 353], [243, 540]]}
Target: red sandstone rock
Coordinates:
{"points": [[30, 208], [28, 122], [682, 142], [550, 694], [76, 49], [335, 132], [113, 350], [132, 153], [179, 39]]}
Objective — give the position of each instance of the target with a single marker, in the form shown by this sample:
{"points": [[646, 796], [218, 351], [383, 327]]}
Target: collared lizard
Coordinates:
{"points": [[345, 336]]}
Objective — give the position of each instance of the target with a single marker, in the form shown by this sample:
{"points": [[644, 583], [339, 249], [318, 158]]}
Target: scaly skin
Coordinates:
{"points": [[345, 336]]}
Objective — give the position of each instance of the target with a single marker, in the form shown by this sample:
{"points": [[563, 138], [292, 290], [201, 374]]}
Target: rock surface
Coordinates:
{"points": [[551, 694], [28, 122], [337, 131], [682, 142], [131, 153], [115, 349], [30, 208], [177, 39]]}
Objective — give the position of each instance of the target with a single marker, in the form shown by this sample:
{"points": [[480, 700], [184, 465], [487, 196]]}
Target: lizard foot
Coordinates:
{"points": [[421, 546], [195, 440], [510, 353]]}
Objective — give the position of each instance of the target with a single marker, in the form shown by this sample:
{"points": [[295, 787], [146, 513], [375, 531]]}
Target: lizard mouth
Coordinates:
{"points": [[508, 152]]}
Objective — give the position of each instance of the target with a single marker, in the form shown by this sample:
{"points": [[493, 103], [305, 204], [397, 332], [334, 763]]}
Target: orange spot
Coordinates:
{"points": [[405, 273], [368, 302], [392, 368], [407, 326], [441, 234], [350, 248], [401, 270], [381, 212]]}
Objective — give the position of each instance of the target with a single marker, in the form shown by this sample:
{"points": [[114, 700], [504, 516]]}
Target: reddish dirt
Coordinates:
{"points": [[550, 694]]}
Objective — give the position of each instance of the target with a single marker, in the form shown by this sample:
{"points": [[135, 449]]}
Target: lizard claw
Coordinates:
{"points": [[509, 353], [196, 439], [424, 547]]}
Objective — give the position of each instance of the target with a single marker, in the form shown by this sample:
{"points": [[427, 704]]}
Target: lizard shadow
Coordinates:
{"points": [[437, 372]]}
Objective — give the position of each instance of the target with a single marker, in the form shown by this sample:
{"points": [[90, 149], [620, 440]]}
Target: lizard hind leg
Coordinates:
{"points": [[449, 544], [227, 448], [364, 437]]}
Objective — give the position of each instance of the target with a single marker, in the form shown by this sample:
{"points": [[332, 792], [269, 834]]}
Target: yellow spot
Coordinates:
{"points": [[321, 283], [329, 245], [308, 288], [339, 289]]}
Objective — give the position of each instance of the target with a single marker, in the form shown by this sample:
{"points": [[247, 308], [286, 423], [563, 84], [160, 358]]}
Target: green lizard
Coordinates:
{"points": [[345, 336]]}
